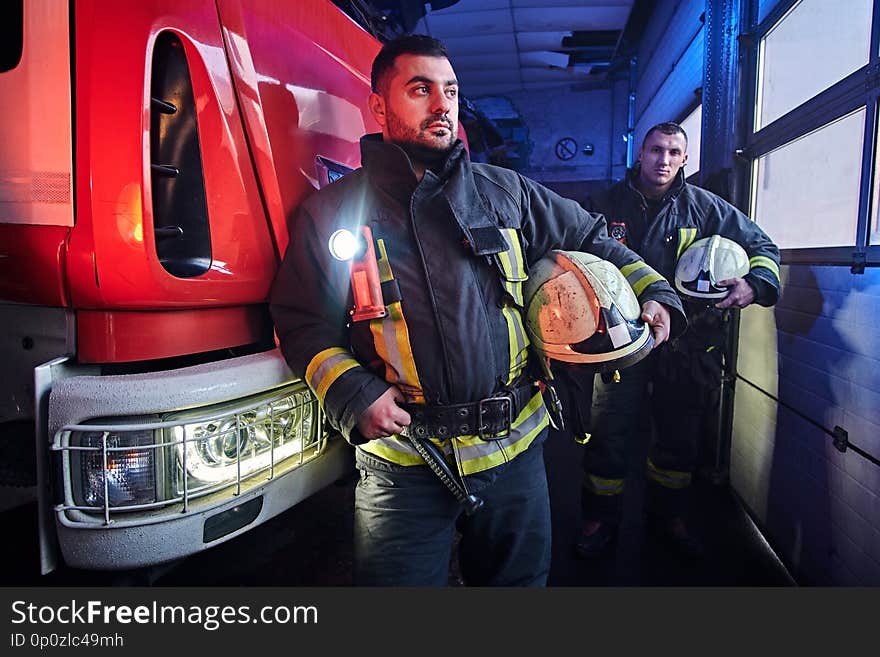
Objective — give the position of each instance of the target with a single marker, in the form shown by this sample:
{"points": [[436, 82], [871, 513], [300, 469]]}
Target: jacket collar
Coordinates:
{"points": [[390, 169], [632, 177], [389, 166]]}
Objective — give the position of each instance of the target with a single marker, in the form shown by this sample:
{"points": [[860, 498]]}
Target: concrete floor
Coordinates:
{"points": [[310, 545], [735, 552]]}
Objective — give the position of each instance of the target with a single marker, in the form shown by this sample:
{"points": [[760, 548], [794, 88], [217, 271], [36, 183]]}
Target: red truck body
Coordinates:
{"points": [[158, 152]]}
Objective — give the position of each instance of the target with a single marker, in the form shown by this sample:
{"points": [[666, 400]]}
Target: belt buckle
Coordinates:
{"points": [[505, 401]]}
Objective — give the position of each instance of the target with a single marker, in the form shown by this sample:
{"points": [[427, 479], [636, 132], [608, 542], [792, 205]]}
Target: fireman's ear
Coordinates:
{"points": [[377, 107]]}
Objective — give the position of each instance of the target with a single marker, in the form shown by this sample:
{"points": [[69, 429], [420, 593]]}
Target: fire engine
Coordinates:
{"points": [[152, 155]]}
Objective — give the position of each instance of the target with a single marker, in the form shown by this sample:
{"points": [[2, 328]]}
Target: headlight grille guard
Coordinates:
{"points": [[112, 514]]}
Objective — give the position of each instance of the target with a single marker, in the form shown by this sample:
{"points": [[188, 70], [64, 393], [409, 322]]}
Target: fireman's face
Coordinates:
{"points": [[661, 158], [417, 104]]}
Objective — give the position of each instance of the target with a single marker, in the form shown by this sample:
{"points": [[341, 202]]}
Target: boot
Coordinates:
{"points": [[675, 533], [596, 539]]}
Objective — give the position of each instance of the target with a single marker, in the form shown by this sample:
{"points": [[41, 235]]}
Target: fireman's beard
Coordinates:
{"points": [[423, 145]]}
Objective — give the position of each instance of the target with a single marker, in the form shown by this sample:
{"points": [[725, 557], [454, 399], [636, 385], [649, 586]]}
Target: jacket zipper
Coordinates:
{"points": [[446, 366]]}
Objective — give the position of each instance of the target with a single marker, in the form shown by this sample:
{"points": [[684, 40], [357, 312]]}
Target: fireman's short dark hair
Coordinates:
{"points": [[410, 44], [667, 128]]}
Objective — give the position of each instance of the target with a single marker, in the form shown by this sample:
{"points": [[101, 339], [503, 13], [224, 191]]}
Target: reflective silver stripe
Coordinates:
{"points": [[517, 340], [512, 264], [767, 263], [392, 343], [675, 479], [476, 455], [640, 275], [327, 366], [514, 289], [686, 236], [396, 450], [514, 269], [513, 257], [634, 270]]}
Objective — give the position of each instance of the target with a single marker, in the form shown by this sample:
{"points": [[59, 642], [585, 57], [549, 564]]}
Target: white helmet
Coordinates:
{"points": [[580, 309], [707, 261]]}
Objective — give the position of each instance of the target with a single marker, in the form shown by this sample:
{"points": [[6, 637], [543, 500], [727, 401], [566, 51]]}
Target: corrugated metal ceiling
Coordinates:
{"points": [[503, 46]]}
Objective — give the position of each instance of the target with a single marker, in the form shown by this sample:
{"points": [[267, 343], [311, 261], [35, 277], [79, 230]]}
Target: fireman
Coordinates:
{"points": [[441, 357], [659, 215]]}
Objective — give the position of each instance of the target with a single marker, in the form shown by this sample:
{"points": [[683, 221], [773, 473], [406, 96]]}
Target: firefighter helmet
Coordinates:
{"points": [[707, 261], [581, 309]]}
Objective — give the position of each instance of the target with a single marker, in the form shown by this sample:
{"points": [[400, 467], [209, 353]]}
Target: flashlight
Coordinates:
{"points": [[343, 245], [365, 286]]}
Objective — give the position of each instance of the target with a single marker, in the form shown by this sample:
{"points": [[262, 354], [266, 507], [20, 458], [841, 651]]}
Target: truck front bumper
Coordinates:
{"points": [[101, 429]]}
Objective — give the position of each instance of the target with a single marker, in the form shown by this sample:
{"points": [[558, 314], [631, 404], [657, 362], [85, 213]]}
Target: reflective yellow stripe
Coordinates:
{"points": [[513, 265], [514, 289], [391, 341], [767, 263], [517, 341], [603, 486], [640, 285], [675, 479], [476, 455], [626, 270], [385, 273], [512, 259], [398, 450], [640, 275], [473, 454], [327, 366], [686, 236]]}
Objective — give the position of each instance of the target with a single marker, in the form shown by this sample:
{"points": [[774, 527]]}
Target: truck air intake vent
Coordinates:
{"points": [[180, 210], [11, 34]]}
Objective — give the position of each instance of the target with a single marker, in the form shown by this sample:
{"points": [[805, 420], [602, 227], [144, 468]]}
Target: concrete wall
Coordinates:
{"points": [[669, 69], [818, 352], [595, 117]]}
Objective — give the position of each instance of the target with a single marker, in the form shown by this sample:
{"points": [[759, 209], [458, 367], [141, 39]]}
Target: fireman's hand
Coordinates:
{"points": [[657, 317], [384, 417], [741, 293]]}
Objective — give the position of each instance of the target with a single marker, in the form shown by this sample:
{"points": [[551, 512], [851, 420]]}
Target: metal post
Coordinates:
{"points": [[631, 112], [720, 171], [721, 129]]}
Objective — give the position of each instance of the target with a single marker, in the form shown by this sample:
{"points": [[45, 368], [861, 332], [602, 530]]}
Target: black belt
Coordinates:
{"points": [[489, 418]]}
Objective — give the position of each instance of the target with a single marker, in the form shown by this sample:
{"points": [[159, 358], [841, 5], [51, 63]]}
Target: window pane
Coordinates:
{"points": [[692, 127], [875, 211], [807, 192], [815, 44], [765, 7]]}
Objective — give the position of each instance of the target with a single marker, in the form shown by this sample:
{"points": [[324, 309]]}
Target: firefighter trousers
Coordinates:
{"points": [[405, 522], [675, 402]]}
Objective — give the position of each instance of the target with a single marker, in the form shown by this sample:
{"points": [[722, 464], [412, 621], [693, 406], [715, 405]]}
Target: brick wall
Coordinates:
{"points": [[818, 353]]}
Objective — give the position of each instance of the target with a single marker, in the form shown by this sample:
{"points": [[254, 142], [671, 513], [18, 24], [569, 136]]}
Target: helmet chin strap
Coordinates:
{"points": [[709, 257], [548, 391]]}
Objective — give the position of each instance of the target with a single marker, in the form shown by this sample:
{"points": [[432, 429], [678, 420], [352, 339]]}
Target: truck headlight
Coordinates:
{"points": [[125, 464], [130, 468], [241, 444]]}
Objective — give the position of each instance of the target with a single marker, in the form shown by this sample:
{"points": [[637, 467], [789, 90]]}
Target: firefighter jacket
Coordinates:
{"points": [[453, 251], [686, 214]]}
